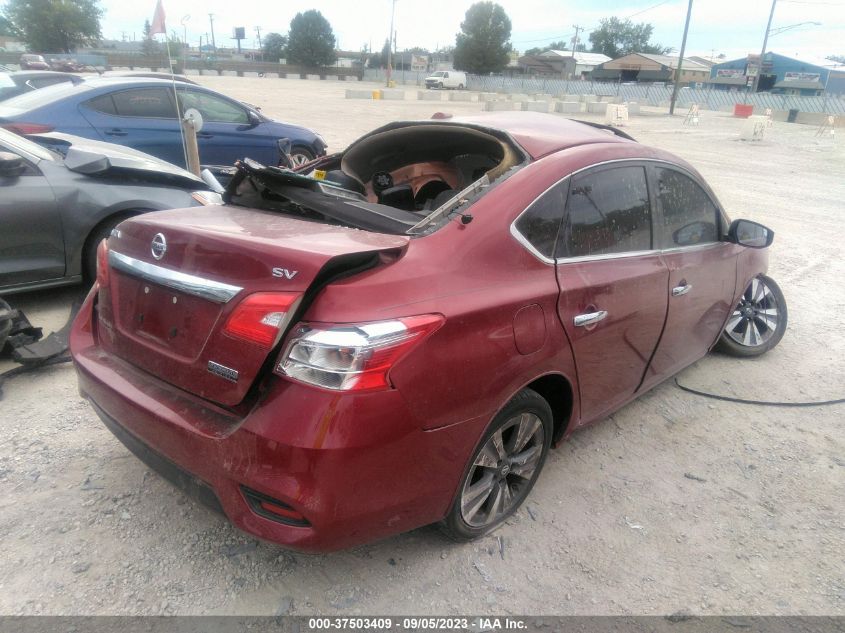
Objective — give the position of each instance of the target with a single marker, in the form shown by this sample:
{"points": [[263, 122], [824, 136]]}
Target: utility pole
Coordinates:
{"points": [[578, 29], [389, 46], [680, 62], [213, 42], [260, 48], [763, 51]]}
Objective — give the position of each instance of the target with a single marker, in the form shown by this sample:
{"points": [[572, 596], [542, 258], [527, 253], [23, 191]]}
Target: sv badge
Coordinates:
{"points": [[284, 272]]}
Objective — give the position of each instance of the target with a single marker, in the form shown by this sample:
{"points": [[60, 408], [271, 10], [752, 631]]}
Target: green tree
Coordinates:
{"points": [[149, 47], [483, 45], [49, 26], [379, 60], [616, 38], [274, 47], [555, 46], [311, 41], [7, 29]]}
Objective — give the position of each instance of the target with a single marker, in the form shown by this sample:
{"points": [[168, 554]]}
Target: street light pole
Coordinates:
{"points": [[680, 62], [763, 52], [390, 43], [213, 42]]}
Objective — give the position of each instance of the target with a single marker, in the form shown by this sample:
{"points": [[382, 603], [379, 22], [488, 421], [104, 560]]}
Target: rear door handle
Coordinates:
{"points": [[205, 135], [590, 318], [677, 291], [115, 132]]}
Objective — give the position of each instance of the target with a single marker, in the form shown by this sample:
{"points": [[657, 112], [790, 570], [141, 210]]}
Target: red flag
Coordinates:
{"points": [[157, 25]]}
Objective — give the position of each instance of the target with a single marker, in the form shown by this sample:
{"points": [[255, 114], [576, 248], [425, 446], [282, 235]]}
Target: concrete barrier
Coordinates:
{"points": [[588, 98], [292, 76], [190, 71], [568, 106], [633, 108], [331, 77], [350, 78], [429, 95], [542, 97], [359, 93], [312, 77], [460, 95], [498, 106], [392, 95], [487, 96], [535, 106], [518, 96], [596, 107]]}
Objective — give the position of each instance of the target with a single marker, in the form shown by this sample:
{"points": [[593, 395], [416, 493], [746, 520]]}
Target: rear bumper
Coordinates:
{"points": [[358, 468]]}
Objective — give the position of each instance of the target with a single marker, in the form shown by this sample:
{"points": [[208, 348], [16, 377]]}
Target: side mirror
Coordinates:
{"points": [[253, 117], [750, 234], [11, 165]]}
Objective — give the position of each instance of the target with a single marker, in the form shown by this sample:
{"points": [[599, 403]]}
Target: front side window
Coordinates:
{"points": [[540, 223], [689, 215], [607, 212], [148, 103], [212, 107]]}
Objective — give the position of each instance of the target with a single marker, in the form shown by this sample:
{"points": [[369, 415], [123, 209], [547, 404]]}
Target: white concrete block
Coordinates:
{"points": [[488, 96], [393, 95], [230, 73], [460, 95], [588, 98], [192, 71], [596, 107], [429, 95], [313, 77], [535, 106], [633, 108], [331, 77], [542, 97], [754, 128], [568, 106], [359, 94], [498, 106], [292, 76], [350, 78], [518, 96]]}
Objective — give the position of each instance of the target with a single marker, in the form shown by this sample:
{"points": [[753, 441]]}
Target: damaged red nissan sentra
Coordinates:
{"points": [[396, 335]]}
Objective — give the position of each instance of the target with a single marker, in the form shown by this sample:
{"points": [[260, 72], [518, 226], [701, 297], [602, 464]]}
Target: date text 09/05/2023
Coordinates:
{"points": [[417, 623]]}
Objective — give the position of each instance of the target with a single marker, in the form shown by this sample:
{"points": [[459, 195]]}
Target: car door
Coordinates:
{"points": [[228, 132], [32, 247], [612, 283], [702, 270], [141, 118]]}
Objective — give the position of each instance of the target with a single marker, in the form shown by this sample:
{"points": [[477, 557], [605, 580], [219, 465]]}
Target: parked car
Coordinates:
{"points": [[13, 84], [447, 79], [401, 339], [30, 61], [61, 195], [142, 114]]}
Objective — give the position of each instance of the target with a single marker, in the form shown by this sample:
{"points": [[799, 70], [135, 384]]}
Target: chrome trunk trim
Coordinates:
{"points": [[215, 291]]}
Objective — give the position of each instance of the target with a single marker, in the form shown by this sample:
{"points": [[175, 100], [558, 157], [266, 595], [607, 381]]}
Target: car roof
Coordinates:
{"points": [[542, 134]]}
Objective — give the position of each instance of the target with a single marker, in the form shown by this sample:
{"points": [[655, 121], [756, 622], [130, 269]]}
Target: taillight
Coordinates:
{"points": [[27, 128], [103, 264], [355, 357], [261, 317]]}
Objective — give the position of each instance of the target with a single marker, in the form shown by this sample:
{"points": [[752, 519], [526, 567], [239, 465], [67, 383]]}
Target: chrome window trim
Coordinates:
{"points": [[563, 260], [215, 291]]}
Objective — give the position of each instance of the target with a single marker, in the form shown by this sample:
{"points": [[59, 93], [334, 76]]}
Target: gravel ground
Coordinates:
{"points": [[675, 503]]}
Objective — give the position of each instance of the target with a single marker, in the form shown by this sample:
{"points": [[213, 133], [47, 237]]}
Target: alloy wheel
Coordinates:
{"points": [[756, 316], [502, 471]]}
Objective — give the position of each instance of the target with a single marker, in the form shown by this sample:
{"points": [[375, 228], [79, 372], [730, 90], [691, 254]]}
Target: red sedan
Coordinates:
{"points": [[397, 335]]}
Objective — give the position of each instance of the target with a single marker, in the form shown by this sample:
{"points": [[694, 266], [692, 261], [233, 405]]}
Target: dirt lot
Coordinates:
{"points": [[676, 503]]}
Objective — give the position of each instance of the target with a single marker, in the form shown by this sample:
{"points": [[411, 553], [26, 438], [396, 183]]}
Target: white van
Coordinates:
{"points": [[447, 79]]}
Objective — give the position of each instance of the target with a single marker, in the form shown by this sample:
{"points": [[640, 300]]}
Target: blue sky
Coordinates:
{"points": [[732, 27]]}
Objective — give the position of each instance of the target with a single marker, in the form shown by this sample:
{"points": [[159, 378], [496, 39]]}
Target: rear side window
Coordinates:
{"points": [[607, 212], [540, 223], [103, 104], [689, 215], [148, 103], [212, 107]]}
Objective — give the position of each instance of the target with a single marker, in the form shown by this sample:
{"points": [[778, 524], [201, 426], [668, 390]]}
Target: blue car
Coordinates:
{"points": [[142, 114]]}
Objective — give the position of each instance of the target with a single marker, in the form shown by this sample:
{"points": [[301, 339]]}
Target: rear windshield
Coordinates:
{"points": [[37, 98]]}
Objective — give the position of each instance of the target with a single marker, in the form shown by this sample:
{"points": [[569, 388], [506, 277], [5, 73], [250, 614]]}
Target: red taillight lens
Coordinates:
{"points": [[353, 357], [103, 264], [28, 128], [261, 317]]}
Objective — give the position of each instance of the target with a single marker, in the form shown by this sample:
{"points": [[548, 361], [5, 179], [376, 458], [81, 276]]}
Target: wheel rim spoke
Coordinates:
{"points": [[528, 424], [487, 458], [498, 444], [476, 494], [527, 463], [755, 319]]}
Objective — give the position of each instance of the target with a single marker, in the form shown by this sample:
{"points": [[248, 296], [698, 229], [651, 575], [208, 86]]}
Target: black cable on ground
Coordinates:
{"points": [[763, 403], [17, 371]]}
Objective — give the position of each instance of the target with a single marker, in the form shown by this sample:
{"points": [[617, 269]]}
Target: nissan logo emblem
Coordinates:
{"points": [[159, 246]]}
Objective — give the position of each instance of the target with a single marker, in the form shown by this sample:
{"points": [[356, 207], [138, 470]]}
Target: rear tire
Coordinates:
{"points": [[503, 468], [758, 321]]}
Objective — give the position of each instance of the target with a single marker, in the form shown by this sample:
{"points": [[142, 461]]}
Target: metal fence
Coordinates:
{"points": [[647, 94]]}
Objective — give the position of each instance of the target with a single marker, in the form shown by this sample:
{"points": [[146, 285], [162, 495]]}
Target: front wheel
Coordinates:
{"points": [[758, 321], [300, 156], [503, 469]]}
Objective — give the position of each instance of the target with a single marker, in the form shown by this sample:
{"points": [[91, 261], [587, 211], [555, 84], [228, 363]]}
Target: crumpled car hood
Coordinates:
{"points": [[86, 156]]}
